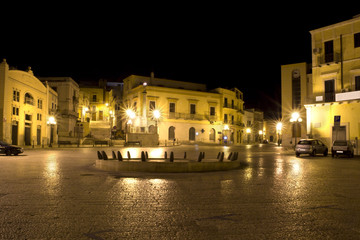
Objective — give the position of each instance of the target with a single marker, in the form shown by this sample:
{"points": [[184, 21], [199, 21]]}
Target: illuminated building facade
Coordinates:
{"points": [[183, 111], [327, 95], [27, 108], [335, 109], [296, 91], [67, 108], [96, 110]]}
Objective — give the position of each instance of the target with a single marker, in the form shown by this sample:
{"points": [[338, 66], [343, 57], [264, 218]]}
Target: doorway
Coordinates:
{"points": [[338, 133], [192, 134], [212, 135], [14, 133], [27, 134]]}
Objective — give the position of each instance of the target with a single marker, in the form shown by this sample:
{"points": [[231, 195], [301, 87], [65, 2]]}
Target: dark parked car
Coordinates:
{"points": [[342, 147], [311, 146], [10, 149]]}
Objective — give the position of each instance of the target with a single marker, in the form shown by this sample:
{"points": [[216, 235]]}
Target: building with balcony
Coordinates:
{"points": [[328, 99], [26, 107], [182, 111]]}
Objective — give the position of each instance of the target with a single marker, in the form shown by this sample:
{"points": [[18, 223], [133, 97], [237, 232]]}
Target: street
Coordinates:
{"points": [[59, 194]]}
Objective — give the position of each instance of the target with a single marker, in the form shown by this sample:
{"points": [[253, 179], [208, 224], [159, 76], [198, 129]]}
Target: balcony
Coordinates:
{"points": [[346, 96]]}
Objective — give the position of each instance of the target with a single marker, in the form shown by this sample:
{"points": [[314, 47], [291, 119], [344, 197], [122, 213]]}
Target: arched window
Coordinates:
{"points": [[152, 129], [29, 99], [171, 133], [192, 134]]}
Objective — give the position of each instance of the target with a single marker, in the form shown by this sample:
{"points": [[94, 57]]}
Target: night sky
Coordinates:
{"points": [[222, 45]]}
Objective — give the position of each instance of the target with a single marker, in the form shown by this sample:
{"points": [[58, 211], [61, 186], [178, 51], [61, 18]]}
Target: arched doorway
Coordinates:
{"points": [[171, 133], [152, 129], [192, 134], [212, 135]]}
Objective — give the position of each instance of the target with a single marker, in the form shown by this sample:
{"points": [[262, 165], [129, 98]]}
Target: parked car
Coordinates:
{"points": [[342, 147], [8, 149], [311, 146]]}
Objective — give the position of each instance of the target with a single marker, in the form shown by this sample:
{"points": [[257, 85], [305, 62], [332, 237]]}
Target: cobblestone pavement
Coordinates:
{"points": [[59, 194]]}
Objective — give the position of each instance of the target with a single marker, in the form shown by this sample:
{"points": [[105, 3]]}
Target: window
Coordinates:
{"points": [[329, 51], [152, 105], [357, 83], [94, 98], [232, 104], [40, 103], [15, 111], [38, 117], [172, 107], [16, 96], [212, 111], [225, 118], [296, 89], [356, 40], [29, 99], [225, 102], [192, 108], [330, 91], [27, 117]]}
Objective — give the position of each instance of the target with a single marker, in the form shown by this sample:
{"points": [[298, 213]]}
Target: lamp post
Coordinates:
{"points": [[248, 132], [279, 126], [156, 115], [52, 122], [295, 118]]}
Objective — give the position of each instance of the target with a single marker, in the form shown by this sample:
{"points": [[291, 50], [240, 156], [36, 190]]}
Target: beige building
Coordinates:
{"points": [[96, 111], [26, 105], [296, 91], [183, 111], [67, 108], [334, 112], [327, 95]]}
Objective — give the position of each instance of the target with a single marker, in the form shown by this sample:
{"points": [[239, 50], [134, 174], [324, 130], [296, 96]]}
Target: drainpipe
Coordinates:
{"points": [[341, 63]]}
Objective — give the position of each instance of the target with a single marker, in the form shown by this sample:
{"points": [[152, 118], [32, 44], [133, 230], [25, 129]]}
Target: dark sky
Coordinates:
{"points": [[218, 44]]}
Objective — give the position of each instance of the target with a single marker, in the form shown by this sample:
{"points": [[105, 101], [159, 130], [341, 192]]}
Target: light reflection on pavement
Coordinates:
{"points": [[59, 194]]}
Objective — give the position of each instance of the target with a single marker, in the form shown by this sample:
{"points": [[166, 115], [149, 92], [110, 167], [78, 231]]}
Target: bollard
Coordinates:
{"points": [[221, 157], [119, 156], [143, 156], [146, 155], [113, 155], [165, 155], [105, 157], [229, 157], [200, 157], [218, 155], [203, 155], [99, 155], [171, 157], [184, 155], [235, 156], [128, 155]]}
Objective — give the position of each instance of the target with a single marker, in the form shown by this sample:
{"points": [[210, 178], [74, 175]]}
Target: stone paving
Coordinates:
{"points": [[59, 194]]}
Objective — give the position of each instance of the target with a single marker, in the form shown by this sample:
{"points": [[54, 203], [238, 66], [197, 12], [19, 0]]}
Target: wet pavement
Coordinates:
{"points": [[59, 194]]}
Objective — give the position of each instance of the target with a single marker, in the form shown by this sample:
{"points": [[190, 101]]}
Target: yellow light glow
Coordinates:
{"points": [[156, 114], [260, 132], [51, 120], [130, 113], [248, 130], [279, 126], [226, 127]]}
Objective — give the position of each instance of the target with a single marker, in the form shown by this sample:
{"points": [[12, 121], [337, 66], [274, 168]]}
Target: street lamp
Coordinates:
{"points": [[295, 118], [279, 126], [156, 115], [52, 122], [248, 131]]}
